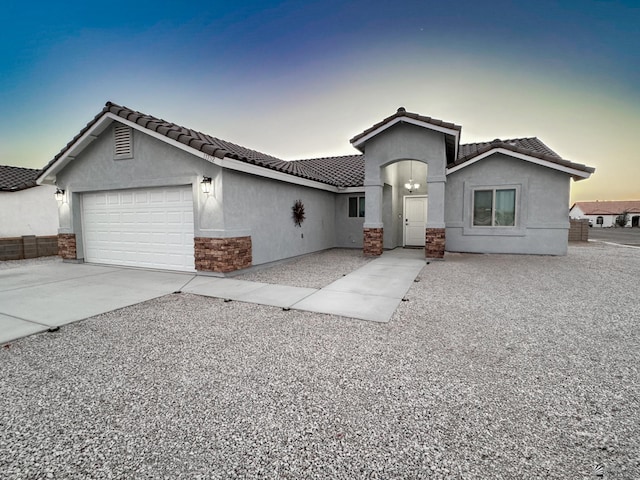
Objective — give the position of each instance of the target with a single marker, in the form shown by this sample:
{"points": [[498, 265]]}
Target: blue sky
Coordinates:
{"points": [[298, 79]]}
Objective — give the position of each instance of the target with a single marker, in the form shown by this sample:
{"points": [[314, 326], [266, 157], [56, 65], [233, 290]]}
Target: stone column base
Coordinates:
{"points": [[67, 246], [372, 242], [222, 255], [435, 243]]}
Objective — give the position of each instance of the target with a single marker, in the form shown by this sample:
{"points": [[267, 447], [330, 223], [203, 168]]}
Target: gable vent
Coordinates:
{"points": [[123, 141]]}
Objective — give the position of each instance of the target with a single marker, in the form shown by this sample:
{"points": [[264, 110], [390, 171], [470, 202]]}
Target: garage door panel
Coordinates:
{"points": [[144, 227]]}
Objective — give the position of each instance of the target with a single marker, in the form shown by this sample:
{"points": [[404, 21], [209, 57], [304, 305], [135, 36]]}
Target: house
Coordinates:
{"points": [[141, 191], [28, 215], [605, 214]]}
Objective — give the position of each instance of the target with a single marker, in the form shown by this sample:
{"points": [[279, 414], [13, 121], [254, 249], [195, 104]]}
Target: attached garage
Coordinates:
{"points": [[148, 227]]}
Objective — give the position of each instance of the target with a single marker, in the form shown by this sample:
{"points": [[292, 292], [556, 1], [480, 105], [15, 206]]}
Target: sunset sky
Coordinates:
{"points": [[298, 79]]}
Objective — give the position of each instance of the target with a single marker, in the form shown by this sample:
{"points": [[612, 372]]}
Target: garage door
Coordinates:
{"points": [[150, 227]]}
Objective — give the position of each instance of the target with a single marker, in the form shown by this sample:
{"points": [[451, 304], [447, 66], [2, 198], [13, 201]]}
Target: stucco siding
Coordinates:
{"points": [[154, 164], [262, 208], [396, 144], [33, 211], [405, 142], [348, 230], [542, 208]]}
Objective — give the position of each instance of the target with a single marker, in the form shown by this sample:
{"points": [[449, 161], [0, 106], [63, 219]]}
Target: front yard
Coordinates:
{"points": [[496, 367]]}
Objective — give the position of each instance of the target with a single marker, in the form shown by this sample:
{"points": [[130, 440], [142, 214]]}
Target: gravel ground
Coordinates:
{"points": [[497, 367], [310, 271], [8, 264]]}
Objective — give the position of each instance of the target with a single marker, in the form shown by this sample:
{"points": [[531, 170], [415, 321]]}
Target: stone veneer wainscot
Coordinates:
{"points": [[222, 255], [67, 246], [435, 243], [372, 242]]}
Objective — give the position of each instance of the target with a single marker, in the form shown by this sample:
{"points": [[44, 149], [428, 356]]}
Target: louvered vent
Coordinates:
{"points": [[123, 137]]}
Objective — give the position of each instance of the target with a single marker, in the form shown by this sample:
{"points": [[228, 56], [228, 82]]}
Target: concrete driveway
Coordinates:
{"points": [[35, 298]]}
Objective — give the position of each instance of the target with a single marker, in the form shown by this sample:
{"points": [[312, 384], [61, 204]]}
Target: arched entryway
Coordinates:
{"points": [[409, 140]]}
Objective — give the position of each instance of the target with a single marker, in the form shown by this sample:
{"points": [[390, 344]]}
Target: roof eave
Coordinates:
{"points": [[359, 140], [70, 152], [577, 172]]}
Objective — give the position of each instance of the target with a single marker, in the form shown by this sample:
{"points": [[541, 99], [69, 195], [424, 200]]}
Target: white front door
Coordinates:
{"points": [[145, 227], [415, 221]]}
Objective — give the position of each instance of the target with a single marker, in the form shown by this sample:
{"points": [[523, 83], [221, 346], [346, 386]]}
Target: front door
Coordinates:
{"points": [[415, 221]]}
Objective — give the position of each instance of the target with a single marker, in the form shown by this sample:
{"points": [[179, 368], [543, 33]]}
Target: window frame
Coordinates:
{"points": [[520, 221], [494, 191], [360, 206]]}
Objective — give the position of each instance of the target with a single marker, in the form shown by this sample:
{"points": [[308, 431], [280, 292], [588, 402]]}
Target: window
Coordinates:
{"points": [[600, 220], [356, 206], [494, 207]]}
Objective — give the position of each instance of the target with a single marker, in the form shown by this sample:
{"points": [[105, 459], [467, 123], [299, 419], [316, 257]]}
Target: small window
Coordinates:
{"points": [[494, 207], [356, 207], [599, 220], [123, 142]]}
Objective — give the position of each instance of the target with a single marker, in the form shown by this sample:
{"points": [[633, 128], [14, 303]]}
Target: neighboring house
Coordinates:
{"points": [[145, 192], [26, 210], [604, 214]]}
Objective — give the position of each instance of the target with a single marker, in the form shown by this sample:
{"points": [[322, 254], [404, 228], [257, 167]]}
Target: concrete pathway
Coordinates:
{"points": [[372, 292], [36, 298]]}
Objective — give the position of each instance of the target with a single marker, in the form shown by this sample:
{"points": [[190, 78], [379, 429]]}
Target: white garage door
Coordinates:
{"points": [[149, 227]]}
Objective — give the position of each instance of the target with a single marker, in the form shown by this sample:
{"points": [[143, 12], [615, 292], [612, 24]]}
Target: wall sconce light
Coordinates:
{"points": [[59, 195], [205, 185]]}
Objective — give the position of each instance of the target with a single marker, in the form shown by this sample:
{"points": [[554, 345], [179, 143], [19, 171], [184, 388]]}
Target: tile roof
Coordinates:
{"points": [[341, 171], [609, 207], [215, 147], [402, 113], [13, 179], [527, 146]]}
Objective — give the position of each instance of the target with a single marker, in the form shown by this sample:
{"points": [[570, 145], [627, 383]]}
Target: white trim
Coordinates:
{"points": [[521, 156], [412, 121], [240, 166], [225, 162], [351, 190], [357, 197], [404, 216], [518, 229]]}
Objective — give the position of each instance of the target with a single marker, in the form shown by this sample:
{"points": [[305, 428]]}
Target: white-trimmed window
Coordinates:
{"points": [[122, 142], [356, 207], [494, 207]]}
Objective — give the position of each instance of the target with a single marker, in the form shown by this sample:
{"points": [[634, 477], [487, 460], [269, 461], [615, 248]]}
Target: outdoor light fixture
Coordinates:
{"points": [[59, 195], [205, 185], [411, 185]]}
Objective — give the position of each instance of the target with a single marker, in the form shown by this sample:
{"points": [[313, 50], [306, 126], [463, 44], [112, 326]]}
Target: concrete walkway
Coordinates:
{"points": [[372, 292], [40, 297]]}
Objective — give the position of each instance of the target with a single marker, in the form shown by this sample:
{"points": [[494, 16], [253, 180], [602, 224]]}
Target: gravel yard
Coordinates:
{"points": [[8, 264], [496, 367], [310, 271]]}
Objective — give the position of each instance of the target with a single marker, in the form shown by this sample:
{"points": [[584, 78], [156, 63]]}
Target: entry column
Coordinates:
{"points": [[373, 226], [435, 228]]}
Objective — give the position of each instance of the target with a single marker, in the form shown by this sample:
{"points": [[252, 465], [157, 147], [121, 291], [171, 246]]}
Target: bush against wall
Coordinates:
{"points": [[621, 220]]}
